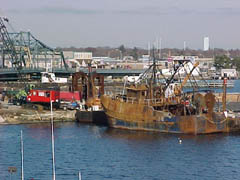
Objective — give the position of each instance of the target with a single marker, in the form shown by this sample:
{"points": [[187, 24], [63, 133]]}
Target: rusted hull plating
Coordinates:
{"points": [[138, 117]]}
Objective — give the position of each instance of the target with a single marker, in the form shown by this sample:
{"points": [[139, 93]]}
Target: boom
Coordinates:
{"points": [[8, 44], [188, 75]]}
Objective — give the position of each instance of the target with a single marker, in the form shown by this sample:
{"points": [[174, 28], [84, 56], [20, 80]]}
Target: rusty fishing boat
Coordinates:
{"points": [[162, 105]]}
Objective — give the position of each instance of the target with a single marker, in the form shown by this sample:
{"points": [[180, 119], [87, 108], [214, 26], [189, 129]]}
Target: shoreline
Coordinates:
{"points": [[12, 114]]}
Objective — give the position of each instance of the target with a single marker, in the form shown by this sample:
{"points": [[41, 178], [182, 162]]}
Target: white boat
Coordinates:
{"points": [[48, 77]]}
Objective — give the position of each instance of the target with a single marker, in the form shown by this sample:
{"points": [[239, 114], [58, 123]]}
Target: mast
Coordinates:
{"points": [[22, 177], [154, 68], [79, 176], [160, 48], [53, 154]]}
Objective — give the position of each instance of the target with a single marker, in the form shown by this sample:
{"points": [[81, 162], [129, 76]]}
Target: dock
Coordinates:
{"points": [[201, 84]]}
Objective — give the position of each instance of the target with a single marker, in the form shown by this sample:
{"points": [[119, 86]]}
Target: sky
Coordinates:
{"points": [[93, 23]]}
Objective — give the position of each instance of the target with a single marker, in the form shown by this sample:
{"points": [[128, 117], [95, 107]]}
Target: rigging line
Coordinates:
{"points": [[179, 76], [164, 77], [194, 77], [189, 76], [144, 74], [203, 78], [194, 85], [172, 77], [193, 82], [154, 67]]}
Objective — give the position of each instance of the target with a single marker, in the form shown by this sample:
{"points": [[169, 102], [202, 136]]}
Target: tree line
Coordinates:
{"points": [[226, 62], [136, 52]]}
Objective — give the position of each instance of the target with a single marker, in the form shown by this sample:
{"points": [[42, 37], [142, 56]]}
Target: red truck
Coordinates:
{"points": [[70, 96], [43, 96]]}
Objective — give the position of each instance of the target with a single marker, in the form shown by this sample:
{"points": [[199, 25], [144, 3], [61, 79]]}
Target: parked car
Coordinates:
{"points": [[19, 101], [73, 106]]}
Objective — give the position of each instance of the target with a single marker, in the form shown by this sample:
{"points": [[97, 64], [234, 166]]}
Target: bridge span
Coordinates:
{"points": [[10, 74]]}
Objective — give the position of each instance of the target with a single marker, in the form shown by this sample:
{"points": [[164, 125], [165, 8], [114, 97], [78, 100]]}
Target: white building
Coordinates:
{"points": [[68, 54], [206, 65], [145, 58], [83, 55], [229, 73], [206, 44]]}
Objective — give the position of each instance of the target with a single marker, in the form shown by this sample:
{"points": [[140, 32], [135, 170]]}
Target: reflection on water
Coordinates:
{"points": [[106, 153], [158, 136], [135, 135]]}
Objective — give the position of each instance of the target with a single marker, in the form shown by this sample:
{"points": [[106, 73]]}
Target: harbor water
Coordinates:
{"points": [[234, 89], [101, 153]]}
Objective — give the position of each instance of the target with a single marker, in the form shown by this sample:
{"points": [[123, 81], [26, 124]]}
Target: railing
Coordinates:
{"points": [[219, 84], [133, 100]]}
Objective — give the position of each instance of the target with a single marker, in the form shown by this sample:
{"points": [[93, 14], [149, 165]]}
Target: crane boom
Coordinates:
{"points": [[188, 75], [9, 45]]}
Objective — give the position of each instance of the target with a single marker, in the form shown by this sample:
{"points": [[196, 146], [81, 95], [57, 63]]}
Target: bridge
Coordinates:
{"points": [[23, 56], [11, 74]]}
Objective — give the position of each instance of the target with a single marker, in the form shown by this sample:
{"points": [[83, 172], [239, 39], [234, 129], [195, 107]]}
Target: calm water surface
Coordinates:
{"points": [[235, 89], [101, 153]]}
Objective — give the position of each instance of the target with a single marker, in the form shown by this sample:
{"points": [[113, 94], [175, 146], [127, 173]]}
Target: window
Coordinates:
{"points": [[47, 94], [41, 94]]}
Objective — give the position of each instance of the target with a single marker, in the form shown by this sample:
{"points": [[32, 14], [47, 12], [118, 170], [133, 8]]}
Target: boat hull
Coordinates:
{"points": [[96, 117], [133, 116]]}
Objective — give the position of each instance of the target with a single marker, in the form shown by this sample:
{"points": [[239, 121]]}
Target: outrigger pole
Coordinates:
{"points": [[53, 154], [224, 97], [79, 176], [22, 173]]}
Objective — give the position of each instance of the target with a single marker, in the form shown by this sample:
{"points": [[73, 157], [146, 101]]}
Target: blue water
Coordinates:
{"points": [[235, 89], [101, 153]]}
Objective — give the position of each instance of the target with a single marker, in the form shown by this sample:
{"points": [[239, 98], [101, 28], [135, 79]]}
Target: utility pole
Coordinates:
{"points": [[22, 156], [53, 148], [160, 48], [149, 49], [184, 46]]}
